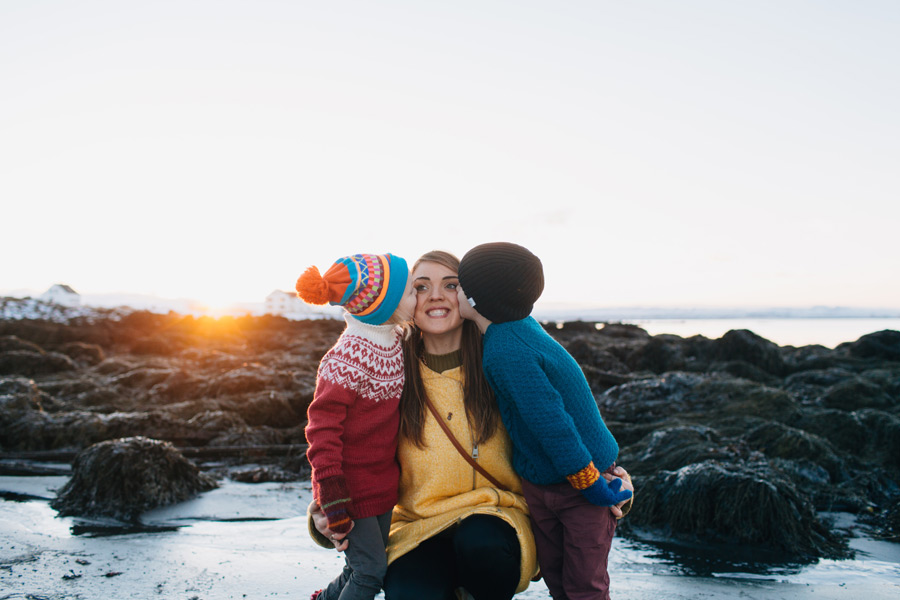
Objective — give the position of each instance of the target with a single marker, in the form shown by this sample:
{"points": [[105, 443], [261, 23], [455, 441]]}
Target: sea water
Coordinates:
{"points": [[828, 332]]}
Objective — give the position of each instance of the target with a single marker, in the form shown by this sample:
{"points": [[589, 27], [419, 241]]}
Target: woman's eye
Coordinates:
{"points": [[452, 286], [420, 288]]}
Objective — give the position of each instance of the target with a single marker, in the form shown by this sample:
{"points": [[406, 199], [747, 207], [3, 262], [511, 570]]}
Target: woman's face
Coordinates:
{"points": [[437, 307]]}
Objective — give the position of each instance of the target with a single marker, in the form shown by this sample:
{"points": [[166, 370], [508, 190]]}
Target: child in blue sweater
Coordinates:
{"points": [[561, 445]]}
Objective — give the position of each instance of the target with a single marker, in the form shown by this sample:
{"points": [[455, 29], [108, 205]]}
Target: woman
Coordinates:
{"points": [[452, 528]]}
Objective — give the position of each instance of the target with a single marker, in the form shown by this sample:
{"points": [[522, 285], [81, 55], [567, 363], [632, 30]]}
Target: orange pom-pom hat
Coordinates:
{"points": [[368, 286]]}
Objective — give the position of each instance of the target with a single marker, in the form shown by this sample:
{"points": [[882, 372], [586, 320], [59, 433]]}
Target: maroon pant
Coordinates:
{"points": [[573, 538]]}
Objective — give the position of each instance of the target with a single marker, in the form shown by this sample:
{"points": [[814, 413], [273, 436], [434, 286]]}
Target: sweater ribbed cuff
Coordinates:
{"points": [[334, 498]]}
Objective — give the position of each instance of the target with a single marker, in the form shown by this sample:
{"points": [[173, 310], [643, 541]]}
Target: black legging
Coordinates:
{"points": [[481, 554]]}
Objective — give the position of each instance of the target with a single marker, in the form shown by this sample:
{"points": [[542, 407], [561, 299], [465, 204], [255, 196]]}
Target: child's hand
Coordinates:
{"points": [[622, 508], [596, 489], [334, 500], [603, 493], [320, 522]]}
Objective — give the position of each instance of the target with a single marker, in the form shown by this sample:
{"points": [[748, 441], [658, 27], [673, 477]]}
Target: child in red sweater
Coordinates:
{"points": [[353, 420]]}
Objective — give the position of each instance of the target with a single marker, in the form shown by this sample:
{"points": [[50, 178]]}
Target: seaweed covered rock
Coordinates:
{"points": [[126, 477], [695, 397], [671, 448], [856, 393], [777, 440], [883, 345], [738, 503], [886, 525], [31, 363], [90, 354], [745, 346]]}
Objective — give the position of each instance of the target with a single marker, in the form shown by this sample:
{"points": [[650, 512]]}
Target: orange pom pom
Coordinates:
{"points": [[312, 287]]}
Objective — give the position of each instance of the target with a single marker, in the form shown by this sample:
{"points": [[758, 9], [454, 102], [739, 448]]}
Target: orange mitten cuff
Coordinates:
{"points": [[584, 478]]}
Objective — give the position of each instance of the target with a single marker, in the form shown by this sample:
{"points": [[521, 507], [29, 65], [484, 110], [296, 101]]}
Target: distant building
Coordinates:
{"points": [[285, 303], [61, 294]]}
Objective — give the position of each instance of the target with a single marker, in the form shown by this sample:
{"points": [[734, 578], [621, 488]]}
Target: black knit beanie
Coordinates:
{"points": [[502, 280]]}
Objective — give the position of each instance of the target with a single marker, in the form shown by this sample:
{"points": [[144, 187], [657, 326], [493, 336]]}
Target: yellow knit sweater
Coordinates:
{"points": [[438, 488]]}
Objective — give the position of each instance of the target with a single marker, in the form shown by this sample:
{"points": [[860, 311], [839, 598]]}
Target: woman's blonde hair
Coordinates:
{"points": [[478, 399]]}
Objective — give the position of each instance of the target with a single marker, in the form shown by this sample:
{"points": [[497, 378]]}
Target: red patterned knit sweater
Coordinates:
{"points": [[354, 417]]}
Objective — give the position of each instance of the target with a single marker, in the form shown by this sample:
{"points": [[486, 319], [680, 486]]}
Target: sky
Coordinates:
{"points": [[651, 153]]}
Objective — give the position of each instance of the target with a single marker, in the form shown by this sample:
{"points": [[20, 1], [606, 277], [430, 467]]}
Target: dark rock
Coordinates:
{"points": [[588, 354], [808, 358], [301, 398], [141, 378], [888, 380], [179, 385], [777, 440], [808, 386], [804, 473], [576, 327], [621, 331], [11, 342], [744, 370], [882, 431], [658, 355], [885, 524], [671, 448], [89, 354], [69, 388], [856, 393], [218, 421], [695, 397], [268, 408], [20, 393], [261, 474], [245, 380], [649, 400], [35, 430], [31, 363], [124, 478], [884, 345], [157, 345], [843, 430], [738, 503], [259, 436], [746, 346]]}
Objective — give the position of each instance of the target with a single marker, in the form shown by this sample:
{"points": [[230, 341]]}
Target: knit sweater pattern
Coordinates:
{"points": [[354, 419], [545, 402]]}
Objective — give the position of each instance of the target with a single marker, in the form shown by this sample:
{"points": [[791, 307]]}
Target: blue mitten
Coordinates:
{"points": [[603, 493], [596, 489]]}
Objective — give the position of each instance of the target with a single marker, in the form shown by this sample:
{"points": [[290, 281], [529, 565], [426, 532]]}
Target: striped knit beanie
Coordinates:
{"points": [[368, 286], [501, 280]]}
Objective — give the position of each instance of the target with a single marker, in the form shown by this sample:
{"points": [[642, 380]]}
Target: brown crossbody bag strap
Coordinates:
{"points": [[459, 447]]}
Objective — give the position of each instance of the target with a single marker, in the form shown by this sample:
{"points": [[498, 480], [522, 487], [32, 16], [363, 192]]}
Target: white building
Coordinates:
{"points": [[285, 303], [61, 294], [289, 305]]}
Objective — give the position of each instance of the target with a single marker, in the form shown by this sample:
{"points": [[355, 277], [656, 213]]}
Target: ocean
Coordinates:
{"points": [[828, 332]]}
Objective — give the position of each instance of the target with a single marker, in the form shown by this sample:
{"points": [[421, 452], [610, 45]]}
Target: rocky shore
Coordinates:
{"points": [[731, 441]]}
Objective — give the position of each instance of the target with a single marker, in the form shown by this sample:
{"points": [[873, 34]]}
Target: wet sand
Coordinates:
{"points": [[250, 541]]}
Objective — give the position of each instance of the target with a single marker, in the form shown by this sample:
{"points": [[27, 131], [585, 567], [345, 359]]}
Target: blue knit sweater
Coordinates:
{"points": [[545, 402]]}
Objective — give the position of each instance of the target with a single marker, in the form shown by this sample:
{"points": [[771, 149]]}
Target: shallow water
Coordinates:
{"points": [[250, 541]]}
